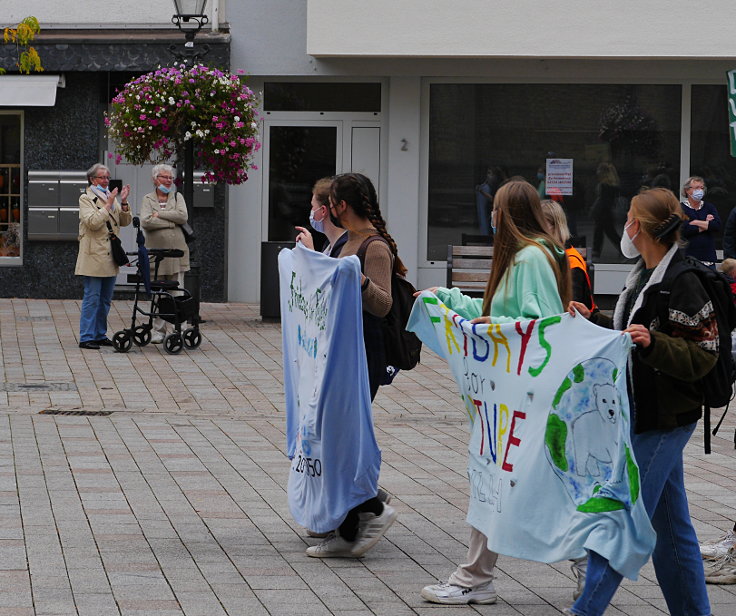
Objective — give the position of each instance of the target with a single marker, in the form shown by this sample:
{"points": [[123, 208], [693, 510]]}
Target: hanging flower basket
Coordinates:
{"points": [[154, 116]]}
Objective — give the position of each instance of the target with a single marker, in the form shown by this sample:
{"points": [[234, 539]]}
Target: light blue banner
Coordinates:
{"points": [[335, 460], [551, 467]]}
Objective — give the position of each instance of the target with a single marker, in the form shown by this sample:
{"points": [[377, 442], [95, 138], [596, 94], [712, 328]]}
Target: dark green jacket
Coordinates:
{"points": [[664, 379]]}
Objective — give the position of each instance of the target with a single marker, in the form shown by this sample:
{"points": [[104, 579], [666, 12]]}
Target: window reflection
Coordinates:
{"points": [[618, 137]]}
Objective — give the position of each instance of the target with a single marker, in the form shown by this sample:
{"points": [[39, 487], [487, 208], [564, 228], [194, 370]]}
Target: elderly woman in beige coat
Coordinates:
{"points": [[98, 208], [163, 211]]}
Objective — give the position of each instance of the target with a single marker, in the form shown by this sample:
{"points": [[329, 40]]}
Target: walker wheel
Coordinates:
{"points": [[173, 343], [122, 341], [192, 337], [142, 335]]}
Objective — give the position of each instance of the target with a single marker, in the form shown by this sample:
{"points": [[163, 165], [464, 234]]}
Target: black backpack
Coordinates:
{"points": [[402, 348], [718, 383]]}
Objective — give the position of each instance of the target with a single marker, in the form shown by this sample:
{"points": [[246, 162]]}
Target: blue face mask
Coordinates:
{"points": [[165, 189], [317, 225]]}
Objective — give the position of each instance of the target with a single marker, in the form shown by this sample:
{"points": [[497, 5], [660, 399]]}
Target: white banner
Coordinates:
{"points": [[551, 467]]}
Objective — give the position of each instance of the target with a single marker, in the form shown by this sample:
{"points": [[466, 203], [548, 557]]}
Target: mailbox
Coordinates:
{"points": [[43, 223], [43, 188], [53, 204], [204, 192], [72, 184]]}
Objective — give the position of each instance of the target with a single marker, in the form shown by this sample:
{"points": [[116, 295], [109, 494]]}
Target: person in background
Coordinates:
{"points": [[557, 223], [702, 223], [529, 279], [98, 207], [729, 236], [319, 219], [484, 193], [666, 366], [603, 211], [163, 211]]}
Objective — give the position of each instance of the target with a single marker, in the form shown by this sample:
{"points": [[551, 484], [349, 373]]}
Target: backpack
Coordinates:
{"points": [[402, 348], [718, 383]]}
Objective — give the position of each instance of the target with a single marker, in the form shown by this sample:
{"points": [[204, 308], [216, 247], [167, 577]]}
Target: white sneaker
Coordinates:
{"points": [[157, 338], [579, 568], [718, 548], [452, 594], [723, 570], [371, 528], [332, 547]]}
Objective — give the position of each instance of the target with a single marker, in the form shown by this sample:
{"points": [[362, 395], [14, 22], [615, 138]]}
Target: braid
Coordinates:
{"points": [[373, 212]]}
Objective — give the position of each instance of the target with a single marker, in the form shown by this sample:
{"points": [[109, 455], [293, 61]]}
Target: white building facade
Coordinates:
{"points": [[426, 96]]}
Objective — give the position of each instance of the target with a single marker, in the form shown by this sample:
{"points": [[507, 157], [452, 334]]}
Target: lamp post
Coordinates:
{"points": [[189, 18]]}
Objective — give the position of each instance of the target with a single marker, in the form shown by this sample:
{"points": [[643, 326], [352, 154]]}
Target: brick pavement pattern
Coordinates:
{"points": [[175, 502]]}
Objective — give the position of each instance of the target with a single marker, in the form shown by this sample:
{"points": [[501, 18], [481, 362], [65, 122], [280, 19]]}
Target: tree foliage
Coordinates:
{"points": [[22, 36]]}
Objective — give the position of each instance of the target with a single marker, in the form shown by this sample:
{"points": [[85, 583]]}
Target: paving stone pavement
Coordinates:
{"points": [[175, 503]]}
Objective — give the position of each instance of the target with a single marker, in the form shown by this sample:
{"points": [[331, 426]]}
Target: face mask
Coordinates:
{"points": [[540, 176], [629, 250], [165, 189], [317, 225], [493, 229], [698, 194]]}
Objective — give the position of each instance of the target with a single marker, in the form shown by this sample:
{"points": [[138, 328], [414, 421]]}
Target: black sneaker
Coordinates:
{"points": [[104, 342], [90, 344]]}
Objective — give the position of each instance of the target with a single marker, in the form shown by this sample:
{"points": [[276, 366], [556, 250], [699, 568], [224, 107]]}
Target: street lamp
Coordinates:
{"points": [[189, 18]]}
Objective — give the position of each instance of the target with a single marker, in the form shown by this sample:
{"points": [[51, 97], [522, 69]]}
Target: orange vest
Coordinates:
{"points": [[575, 259]]}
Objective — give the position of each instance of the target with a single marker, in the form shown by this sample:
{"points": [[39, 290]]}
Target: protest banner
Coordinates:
{"points": [[551, 467], [335, 460]]}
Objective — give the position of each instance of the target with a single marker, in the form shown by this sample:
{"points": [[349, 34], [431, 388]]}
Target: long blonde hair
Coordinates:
{"points": [[520, 223]]}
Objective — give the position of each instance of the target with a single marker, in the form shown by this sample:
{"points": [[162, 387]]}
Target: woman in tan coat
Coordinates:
{"points": [[98, 207], [163, 211]]}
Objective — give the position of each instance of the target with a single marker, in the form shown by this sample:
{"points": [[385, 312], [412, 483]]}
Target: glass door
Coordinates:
{"points": [[296, 155]]}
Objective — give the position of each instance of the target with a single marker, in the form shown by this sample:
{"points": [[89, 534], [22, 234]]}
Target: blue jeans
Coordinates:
{"points": [[676, 557], [95, 307]]}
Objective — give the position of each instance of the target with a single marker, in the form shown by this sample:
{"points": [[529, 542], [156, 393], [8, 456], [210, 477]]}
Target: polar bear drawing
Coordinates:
{"points": [[595, 433]]}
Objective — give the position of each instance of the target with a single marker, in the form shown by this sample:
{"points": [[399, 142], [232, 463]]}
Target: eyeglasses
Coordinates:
{"points": [[165, 177], [102, 177]]}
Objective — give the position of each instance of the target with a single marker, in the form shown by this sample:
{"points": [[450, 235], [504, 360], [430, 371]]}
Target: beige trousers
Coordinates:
{"points": [[481, 562]]}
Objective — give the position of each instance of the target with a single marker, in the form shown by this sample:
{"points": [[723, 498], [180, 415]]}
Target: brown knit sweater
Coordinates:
{"points": [[378, 267]]}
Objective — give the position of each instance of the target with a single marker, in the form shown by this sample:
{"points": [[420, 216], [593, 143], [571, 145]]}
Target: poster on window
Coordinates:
{"points": [[550, 465], [558, 178]]}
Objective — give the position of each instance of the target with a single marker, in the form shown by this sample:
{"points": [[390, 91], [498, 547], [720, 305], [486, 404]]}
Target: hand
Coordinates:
{"points": [[574, 307], [125, 192], [111, 199], [430, 289], [305, 237], [154, 215], [709, 217], [485, 320], [640, 335]]}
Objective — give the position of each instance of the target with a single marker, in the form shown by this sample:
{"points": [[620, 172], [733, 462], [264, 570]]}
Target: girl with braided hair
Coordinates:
{"points": [[354, 207], [666, 366]]}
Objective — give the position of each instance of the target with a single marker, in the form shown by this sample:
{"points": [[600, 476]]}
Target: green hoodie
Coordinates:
{"points": [[528, 291]]}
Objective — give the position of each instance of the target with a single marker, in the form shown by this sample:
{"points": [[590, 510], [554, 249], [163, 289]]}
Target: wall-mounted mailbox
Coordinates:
{"points": [[204, 193], [43, 188], [53, 204]]}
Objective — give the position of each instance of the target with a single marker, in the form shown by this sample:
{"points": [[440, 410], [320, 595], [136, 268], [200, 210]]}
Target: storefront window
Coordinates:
{"points": [[10, 188], [614, 139], [710, 156]]}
